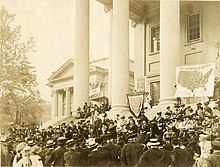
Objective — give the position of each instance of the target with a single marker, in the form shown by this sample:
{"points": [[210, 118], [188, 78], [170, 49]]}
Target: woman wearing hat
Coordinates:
{"points": [[35, 158], [18, 155], [25, 160]]}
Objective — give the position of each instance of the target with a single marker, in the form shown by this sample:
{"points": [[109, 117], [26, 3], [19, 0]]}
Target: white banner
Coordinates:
{"points": [[136, 103], [195, 80]]}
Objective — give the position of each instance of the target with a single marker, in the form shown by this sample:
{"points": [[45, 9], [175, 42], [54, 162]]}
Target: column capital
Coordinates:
{"points": [[52, 92], [107, 8], [66, 89], [140, 21]]}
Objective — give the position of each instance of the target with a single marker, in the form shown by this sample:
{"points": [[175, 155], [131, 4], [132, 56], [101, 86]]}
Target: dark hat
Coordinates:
{"points": [[123, 117], [199, 104], [117, 115], [132, 136], [168, 146], [175, 141], [159, 113], [216, 143], [99, 140], [184, 141], [206, 103]]}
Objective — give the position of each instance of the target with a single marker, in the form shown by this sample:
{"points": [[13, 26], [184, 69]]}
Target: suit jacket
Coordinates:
{"points": [[181, 158], [74, 158], [131, 153], [155, 158], [213, 160], [57, 157], [114, 154], [98, 157]]}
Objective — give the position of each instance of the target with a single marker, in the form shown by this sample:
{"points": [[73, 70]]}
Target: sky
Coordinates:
{"points": [[51, 23]]}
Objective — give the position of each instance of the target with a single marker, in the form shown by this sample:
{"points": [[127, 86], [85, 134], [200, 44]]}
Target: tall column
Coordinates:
{"points": [[169, 48], [60, 113], [54, 105], [120, 55], [81, 53], [139, 50], [110, 58], [68, 102]]}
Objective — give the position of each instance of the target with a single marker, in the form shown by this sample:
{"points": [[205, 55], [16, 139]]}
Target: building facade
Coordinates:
{"points": [[62, 87], [167, 34]]}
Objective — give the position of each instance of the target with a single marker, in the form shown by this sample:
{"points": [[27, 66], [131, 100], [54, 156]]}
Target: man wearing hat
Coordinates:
{"points": [[99, 156], [47, 150], [142, 116], [131, 152], [113, 150], [179, 156], [154, 156], [74, 157], [213, 160], [57, 156]]}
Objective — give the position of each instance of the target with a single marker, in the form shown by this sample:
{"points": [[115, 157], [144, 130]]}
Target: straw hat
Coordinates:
{"points": [[154, 142], [20, 146], [36, 150], [92, 144]]}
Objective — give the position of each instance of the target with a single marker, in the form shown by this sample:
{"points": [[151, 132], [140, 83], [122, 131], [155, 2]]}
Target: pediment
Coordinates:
{"points": [[66, 70]]}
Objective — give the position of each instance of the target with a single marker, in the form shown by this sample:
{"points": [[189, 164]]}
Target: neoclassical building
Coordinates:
{"points": [[167, 34], [62, 87]]}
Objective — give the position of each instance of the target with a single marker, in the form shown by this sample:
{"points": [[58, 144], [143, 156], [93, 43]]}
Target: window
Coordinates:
{"points": [[193, 28], [155, 39], [155, 92]]}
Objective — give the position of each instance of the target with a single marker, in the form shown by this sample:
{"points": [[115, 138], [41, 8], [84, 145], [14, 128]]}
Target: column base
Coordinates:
{"points": [[168, 101], [122, 110]]}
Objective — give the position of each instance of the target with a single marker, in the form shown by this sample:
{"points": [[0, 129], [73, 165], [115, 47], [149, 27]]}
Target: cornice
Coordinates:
{"points": [[61, 79]]}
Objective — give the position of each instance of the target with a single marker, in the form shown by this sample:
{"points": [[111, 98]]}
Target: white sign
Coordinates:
{"points": [[195, 80], [141, 84], [95, 90]]}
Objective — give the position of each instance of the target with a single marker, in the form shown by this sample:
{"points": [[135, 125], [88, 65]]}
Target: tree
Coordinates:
{"points": [[19, 98]]}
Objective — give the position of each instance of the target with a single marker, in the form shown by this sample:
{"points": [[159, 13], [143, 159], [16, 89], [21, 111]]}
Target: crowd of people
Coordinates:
{"points": [[179, 136]]}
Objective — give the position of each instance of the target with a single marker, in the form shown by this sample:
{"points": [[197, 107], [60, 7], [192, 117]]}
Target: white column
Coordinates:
{"points": [[169, 48], [120, 55], [68, 102], [139, 50], [81, 53], [54, 104], [110, 58], [60, 112]]}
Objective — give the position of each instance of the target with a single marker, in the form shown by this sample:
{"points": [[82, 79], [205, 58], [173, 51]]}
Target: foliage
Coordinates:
{"points": [[19, 96]]}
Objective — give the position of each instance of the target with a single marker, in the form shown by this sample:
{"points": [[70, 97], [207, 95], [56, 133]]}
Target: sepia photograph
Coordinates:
{"points": [[110, 83]]}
